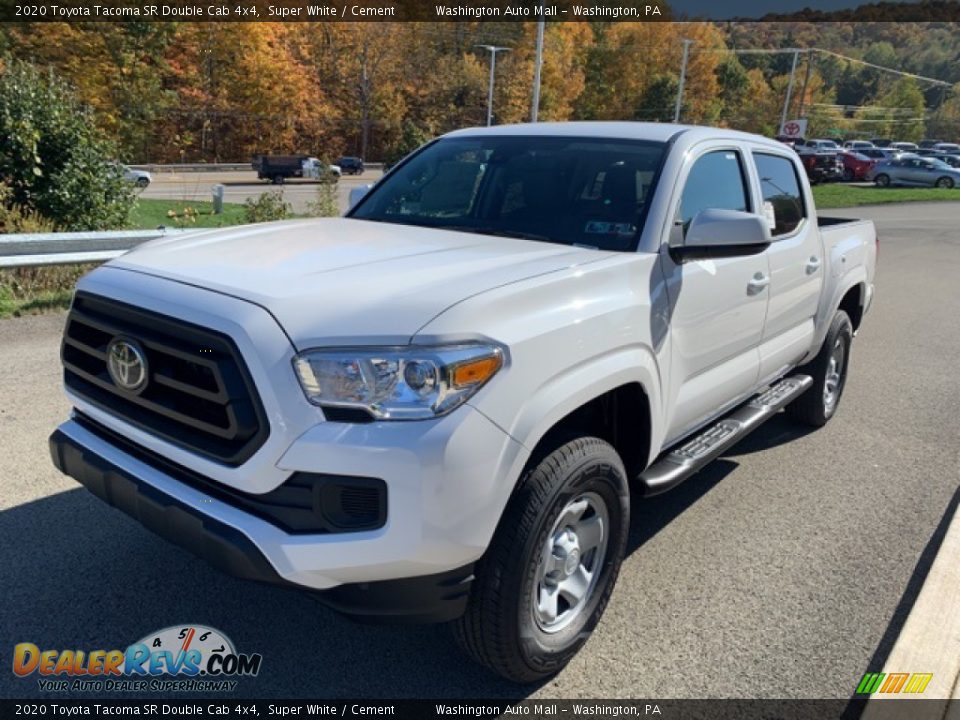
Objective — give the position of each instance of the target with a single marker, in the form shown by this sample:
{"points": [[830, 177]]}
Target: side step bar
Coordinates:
{"points": [[671, 469]]}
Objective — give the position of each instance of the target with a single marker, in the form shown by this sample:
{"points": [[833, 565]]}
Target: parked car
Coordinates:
{"points": [[929, 152], [877, 153], [951, 160], [947, 147], [857, 145], [923, 144], [278, 168], [443, 409], [820, 144], [350, 165], [914, 170], [855, 165], [822, 164], [140, 178], [905, 146], [881, 142]]}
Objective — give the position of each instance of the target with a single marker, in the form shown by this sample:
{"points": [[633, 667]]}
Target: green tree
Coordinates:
{"points": [[906, 106], [52, 158]]}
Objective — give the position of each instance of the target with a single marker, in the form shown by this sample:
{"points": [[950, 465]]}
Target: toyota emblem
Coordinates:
{"points": [[127, 364]]}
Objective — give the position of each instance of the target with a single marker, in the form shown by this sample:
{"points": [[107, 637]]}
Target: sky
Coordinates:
{"points": [[714, 10]]}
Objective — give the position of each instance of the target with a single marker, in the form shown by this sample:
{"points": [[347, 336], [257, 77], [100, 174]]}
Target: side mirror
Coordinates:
{"points": [[723, 233], [357, 193]]}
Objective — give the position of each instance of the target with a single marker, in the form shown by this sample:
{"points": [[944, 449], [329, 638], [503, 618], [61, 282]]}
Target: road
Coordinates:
{"points": [[783, 570], [241, 185]]}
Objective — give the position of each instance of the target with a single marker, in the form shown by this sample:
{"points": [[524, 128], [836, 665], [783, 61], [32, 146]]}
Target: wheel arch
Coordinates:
{"points": [[616, 398]]}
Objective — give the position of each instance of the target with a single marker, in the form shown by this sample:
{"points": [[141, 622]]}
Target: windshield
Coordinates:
{"points": [[573, 191]]}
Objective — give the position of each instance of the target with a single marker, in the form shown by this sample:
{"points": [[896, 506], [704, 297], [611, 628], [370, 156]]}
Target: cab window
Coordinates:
{"points": [[780, 187], [716, 182]]}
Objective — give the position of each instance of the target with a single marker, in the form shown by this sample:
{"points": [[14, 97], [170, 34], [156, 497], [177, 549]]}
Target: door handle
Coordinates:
{"points": [[757, 283], [813, 264]]}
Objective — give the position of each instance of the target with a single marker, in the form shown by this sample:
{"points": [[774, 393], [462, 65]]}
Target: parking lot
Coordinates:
{"points": [[243, 184], [785, 569]]}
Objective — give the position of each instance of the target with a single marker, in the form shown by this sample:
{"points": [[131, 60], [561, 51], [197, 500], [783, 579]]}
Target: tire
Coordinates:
{"points": [[882, 180], [848, 175], [277, 179], [829, 372], [142, 183], [569, 489], [945, 182]]}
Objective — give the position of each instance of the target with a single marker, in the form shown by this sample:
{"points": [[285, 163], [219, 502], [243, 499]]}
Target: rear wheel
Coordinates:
{"points": [[277, 179], [829, 371], [546, 578], [882, 180], [848, 175], [945, 182]]}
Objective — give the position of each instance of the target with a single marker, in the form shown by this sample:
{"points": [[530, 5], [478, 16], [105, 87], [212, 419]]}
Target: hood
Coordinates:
{"points": [[341, 281]]}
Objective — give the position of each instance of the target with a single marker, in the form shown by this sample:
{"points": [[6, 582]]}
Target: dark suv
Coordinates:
{"points": [[350, 165]]}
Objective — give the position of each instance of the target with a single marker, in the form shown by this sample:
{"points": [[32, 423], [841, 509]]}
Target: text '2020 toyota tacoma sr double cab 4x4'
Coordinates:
{"points": [[442, 406]]}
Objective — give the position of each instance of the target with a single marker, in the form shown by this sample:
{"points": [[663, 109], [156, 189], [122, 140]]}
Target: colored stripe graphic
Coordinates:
{"points": [[918, 682], [895, 681], [869, 684]]}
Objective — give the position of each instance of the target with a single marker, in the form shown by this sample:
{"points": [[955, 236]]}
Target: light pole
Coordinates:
{"points": [[493, 49], [538, 64], [683, 78]]}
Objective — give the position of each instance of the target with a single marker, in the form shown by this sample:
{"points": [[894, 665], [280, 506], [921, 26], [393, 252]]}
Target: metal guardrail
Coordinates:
{"points": [[68, 248]]}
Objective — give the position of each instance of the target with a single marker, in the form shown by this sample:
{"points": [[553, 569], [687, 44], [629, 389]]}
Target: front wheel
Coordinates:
{"points": [[545, 580], [882, 180], [829, 371], [848, 175], [945, 182]]}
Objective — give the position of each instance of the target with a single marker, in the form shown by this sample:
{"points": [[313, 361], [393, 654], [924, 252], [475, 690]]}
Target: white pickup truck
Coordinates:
{"points": [[442, 406]]}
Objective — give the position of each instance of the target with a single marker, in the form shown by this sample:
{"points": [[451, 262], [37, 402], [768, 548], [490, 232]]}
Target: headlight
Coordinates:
{"points": [[410, 383]]}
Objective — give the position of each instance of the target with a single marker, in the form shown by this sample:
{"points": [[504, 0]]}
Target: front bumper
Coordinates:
{"points": [[434, 598]]}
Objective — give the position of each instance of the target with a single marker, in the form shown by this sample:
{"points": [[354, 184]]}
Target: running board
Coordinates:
{"points": [[680, 463]]}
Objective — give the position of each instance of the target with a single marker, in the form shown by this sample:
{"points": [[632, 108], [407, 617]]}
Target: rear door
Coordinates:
{"points": [[717, 306], [796, 263]]}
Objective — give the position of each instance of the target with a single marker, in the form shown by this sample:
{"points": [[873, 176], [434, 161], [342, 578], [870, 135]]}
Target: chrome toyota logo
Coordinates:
{"points": [[127, 364]]}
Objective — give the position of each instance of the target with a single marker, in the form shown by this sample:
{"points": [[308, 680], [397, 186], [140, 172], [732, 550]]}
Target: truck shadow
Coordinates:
{"points": [[78, 574]]}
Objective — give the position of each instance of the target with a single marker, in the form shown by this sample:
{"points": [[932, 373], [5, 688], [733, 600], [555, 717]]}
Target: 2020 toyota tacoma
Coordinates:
{"points": [[442, 406]]}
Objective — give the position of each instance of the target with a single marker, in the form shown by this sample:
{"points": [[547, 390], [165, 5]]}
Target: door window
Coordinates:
{"points": [[780, 187], [716, 182]]}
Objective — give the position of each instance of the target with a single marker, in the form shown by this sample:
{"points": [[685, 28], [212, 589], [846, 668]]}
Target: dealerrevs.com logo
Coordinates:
{"points": [[187, 658]]}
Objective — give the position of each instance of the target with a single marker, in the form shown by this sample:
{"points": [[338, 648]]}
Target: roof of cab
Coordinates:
{"points": [[657, 132]]}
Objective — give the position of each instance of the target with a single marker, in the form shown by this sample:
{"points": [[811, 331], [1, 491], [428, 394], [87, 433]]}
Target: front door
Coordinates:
{"points": [[717, 306]]}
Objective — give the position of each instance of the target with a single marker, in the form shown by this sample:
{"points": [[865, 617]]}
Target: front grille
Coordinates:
{"points": [[198, 394]]}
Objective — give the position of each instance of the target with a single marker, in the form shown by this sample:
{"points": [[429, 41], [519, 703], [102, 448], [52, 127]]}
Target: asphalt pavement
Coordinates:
{"points": [[785, 569], [243, 184]]}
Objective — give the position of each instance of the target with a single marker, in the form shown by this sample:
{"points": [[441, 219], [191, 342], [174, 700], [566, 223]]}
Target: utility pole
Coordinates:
{"points": [[537, 65], [493, 49], [683, 78], [786, 102], [806, 81]]}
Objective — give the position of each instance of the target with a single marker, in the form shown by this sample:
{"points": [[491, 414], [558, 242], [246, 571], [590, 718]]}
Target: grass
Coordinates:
{"points": [[31, 291], [149, 214], [836, 195]]}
